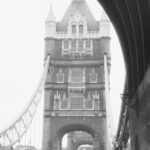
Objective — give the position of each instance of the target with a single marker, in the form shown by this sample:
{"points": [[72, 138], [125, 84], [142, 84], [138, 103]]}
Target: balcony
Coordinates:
{"points": [[75, 52], [89, 34], [76, 86], [78, 112]]}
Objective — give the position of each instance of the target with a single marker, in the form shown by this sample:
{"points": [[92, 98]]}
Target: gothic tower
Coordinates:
{"points": [[74, 96]]}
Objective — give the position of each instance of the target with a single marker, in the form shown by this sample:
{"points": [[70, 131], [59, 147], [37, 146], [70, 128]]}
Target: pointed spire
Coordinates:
{"points": [[104, 25], [104, 16], [51, 16]]}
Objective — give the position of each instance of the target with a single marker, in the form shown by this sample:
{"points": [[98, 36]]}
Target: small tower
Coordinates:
{"points": [[104, 31], [50, 24], [50, 32], [104, 25]]}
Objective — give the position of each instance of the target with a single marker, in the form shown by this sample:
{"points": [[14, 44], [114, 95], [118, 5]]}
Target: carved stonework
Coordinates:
{"points": [[78, 47], [78, 21], [56, 101], [93, 76], [96, 100], [60, 76]]}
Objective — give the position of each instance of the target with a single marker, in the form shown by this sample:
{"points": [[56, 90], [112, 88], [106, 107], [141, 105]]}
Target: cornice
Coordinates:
{"points": [[88, 86], [77, 62]]}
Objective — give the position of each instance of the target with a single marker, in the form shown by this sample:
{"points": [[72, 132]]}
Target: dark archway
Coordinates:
{"points": [[75, 127], [131, 20]]}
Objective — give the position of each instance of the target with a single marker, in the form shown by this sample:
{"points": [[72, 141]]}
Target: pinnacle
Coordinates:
{"points": [[51, 16]]}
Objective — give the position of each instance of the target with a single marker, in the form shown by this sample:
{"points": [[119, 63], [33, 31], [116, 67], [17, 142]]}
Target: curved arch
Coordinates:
{"points": [[75, 127]]}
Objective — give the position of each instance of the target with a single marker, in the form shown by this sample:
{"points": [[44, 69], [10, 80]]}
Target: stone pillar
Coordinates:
{"points": [[60, 143], [70, 142], [96, 143], [56, 144], [46, 134]]}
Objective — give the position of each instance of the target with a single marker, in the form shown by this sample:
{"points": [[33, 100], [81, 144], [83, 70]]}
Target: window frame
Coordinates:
{"points": [[73, 29], [66, 44], [88, 44], [93, 75], [59, 75], [81, 30], [78, 76]]}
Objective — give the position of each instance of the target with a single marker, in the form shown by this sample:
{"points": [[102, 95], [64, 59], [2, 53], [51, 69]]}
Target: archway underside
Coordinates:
{"points": [[130, 21], [132, 24]]}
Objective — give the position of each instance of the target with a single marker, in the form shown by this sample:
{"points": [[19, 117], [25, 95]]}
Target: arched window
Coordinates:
{"points": [[80, 29], [60, 77], [73, 29], [77, 75]]}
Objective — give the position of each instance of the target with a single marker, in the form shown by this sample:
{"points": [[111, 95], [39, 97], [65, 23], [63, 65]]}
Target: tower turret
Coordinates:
{"points": [[104, 31], [104, 25], [50, 24], [50, 31]]}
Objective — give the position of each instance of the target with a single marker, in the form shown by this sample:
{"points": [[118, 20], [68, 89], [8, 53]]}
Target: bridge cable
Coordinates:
{"points": [[19, 127]]}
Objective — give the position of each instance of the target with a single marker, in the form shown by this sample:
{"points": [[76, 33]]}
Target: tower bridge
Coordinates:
{"points": [[75, 87], [75, 81]]}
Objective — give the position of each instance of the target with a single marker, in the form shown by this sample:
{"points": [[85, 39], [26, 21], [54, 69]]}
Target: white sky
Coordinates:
{"points": [[22, 31]]}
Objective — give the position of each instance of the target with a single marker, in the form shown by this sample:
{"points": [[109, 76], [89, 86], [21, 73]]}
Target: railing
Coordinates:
{"points": [[71, 51], [89, 34], [75, 112], [121, 130]]}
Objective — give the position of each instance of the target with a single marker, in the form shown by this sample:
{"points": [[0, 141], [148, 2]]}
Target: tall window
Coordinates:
{"points": [[77, 75], [73, 44], [66, 45], [80, 44], [73, 29], [88, 44], [93, 77], [60, 77], [64, 102], [81, 29]]}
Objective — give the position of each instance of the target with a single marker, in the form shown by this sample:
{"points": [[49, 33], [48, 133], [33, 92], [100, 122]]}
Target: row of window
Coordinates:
{"points": [[76, 102], [74, 29], [74, 44], [77, 76]]}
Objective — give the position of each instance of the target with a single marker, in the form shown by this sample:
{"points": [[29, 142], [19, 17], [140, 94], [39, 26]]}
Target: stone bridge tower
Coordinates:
{"points": [[74, 96]]}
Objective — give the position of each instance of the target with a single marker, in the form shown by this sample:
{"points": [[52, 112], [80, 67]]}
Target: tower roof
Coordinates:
{"points": [[51, 16], [81, 7]]}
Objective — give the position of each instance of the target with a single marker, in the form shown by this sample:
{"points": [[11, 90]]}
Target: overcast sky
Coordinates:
{"points": [[22, 49]]}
